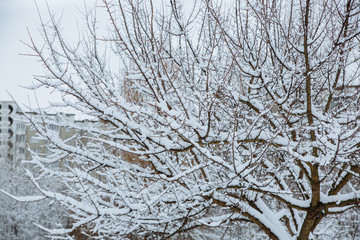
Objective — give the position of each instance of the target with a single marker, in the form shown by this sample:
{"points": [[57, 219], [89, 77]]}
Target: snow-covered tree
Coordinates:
{"points": [[207, 115]]}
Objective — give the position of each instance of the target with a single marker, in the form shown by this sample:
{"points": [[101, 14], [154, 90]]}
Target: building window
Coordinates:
{"points": [[11, 121], [20, 126], [36, 150], [34, 139], [20, 138], [54, 127], [21, 150], [11, 133], [11, 109]]}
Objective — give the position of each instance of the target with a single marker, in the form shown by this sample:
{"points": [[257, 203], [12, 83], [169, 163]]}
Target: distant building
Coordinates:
{"points": [[12, 130], [39, 145], [17, 135]]}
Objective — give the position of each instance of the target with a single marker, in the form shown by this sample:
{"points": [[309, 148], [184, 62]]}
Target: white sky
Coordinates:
{"points": [[16, 70]]}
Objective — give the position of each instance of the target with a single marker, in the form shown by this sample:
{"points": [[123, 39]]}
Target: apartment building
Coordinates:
{"points": [[18, 136], [12, 131]]}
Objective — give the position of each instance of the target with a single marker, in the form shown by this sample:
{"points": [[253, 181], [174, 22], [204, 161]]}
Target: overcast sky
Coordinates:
{"points": [[16, 70], [16, 16]]}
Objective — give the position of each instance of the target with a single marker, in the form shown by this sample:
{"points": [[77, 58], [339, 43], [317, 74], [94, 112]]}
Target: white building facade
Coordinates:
{"points": [[12, 131]]}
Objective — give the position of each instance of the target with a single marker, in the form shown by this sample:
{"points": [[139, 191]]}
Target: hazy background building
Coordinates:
{"points": [[12, 131], [18, 137]]}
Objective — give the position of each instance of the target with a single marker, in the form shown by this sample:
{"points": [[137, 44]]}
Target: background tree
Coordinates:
{"points": [[17, 218], [217, 114]]}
